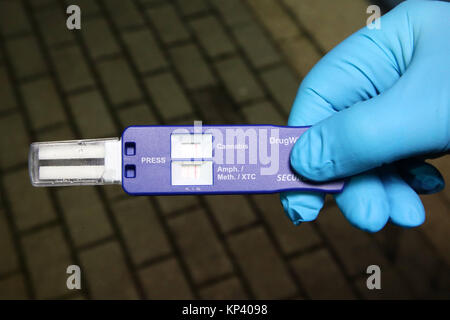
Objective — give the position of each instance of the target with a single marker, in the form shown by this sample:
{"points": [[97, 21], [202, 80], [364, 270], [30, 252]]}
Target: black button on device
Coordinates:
{"points": [[130, 148], [130, 171]]}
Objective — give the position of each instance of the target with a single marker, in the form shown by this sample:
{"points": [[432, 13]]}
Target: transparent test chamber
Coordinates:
{"points": [[76, 162]]}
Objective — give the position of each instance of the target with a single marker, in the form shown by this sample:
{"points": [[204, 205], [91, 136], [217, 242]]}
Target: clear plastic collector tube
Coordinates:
{"points": [[75, 162]]}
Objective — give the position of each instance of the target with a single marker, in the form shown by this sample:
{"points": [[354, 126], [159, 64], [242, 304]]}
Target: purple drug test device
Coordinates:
{"points": [[228, 159]]}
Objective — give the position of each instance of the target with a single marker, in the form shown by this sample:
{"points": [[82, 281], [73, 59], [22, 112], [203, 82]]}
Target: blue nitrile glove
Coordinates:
{"points": [[379, 97]]}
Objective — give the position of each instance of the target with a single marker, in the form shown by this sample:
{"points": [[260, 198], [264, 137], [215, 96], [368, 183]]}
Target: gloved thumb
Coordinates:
{"points": [[384, 129]]}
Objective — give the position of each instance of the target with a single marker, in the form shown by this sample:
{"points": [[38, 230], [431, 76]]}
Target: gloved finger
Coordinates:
{"points": [[370, 134], [406, 209], [356, 77], [361, 67], [364, 202], [302, 206], [422, 177]]}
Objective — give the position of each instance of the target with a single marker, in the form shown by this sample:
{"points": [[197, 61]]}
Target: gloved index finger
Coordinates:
{"points": [[361, 67]]}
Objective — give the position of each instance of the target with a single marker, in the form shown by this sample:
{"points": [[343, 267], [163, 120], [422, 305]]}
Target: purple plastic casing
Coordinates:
{"points": [[155, 178]]}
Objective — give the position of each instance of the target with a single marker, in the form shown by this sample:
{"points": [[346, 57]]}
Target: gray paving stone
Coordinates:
{"points": [[38, 4], [193, 69], [440, 288], [321, 277], [92, 115], [212, 36], [43, 103], [59, 133], [124, 13], [263, 113], [145, 52], [36, 210], [141, 229], [137, 115], [7, 250], [17, 144], [165, 281], [152, 2], [261, 264], [421, 270], [88, 7], [77, 296], [170, 204], [25, 56], [256, 45], [275, 18], [99, 39], [199, 246], [84, 214], [52, 23], [216, 106], [6, 93], [231, 211], [234, 12], [13, 288], [392, 286], [168, 24], [47, 257], [113, 191], [301, 54], [13, 18], [168, 95], [106, 272], [71, 68], [119, 81], [283, 86], [189, 7], [437, 223], [230, 289], [290, 237], [238, 79], [342, 18], [187, 119], [354, 247]]}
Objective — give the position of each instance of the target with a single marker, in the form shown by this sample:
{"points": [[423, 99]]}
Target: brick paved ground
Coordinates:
{"points": [[170, 62]]}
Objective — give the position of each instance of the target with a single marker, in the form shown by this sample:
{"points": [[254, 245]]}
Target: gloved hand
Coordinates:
{"points": [[378, 98]]}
